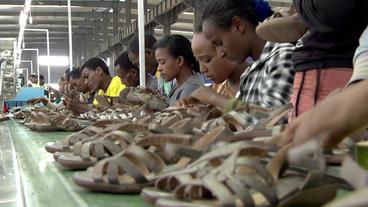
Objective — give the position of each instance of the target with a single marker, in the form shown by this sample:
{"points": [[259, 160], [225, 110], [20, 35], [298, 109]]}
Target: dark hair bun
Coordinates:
{"points": [[263, 9]]}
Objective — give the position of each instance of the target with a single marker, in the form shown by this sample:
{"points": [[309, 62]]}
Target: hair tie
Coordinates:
{"points": [[262, 9]]}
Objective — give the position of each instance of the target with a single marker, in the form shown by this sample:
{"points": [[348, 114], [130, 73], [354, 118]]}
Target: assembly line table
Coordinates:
{"points": [[29, 176], [33, 178]]}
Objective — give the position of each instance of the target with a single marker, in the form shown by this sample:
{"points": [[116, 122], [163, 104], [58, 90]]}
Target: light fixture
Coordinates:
{"points": [[54, 60], [188, 13]]}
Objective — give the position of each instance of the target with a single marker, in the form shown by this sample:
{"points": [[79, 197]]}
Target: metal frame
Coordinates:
{"points": [[27, 75], [70, 35], [48, 52], [28, 61], [38, 60], [142, 56]]}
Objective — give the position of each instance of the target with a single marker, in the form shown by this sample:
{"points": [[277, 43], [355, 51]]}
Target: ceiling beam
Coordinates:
{"points": [[57, 22], [81, 3], [51, 31], [63, 14]]}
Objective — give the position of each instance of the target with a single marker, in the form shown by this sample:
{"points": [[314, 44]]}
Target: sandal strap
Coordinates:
{"points": [[253, 182], [203, 143], [170, 182], [160, 139], [309, 156], [274, 117], [220, 190], [278, 162], [159, 129], [86, 151], [240, 190], [194, 191], [112, 148], [133, 167], [229, 149], [233, 163], [131, 127], [123, 137], [77, 147], [134, 161], [112, 168], [153, 162], [184, 126], [249, 135], [76, 137], [98, 148]]}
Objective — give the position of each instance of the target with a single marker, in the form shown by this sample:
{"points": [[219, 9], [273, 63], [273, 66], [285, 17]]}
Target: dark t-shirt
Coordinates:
{"points": [[335, 28]]}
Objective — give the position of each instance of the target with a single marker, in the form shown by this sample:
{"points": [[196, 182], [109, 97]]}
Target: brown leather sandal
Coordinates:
{"points": [[88, 180], [88, 151], [166, 183], [66, 145], [259, 186]]}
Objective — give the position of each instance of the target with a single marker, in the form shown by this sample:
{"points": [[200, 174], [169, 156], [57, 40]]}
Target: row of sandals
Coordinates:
{"points": [[175, 163], [193, 156]]}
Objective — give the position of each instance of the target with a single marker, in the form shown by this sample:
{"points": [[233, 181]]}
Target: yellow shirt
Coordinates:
{"points": [[113, 90]]}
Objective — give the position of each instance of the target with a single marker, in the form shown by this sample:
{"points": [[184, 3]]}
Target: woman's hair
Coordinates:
{"points": [[133, 45], [75, 73], [198, 28], [221, 12], [67, 74], [124, 62], [178, 45]]}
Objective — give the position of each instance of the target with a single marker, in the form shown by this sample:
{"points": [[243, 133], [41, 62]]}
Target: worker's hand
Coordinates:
{"points": [[70, 91], [186, 102], [38, 100], [77, 106], [203, 95]]}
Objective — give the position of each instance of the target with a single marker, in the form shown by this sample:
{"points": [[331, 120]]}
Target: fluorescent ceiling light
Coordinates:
{"points": [[54, 60], [188, 13], [108, 63]]}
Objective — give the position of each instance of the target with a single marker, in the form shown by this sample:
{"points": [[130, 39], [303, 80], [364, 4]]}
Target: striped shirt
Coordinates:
{"points": [[268, 82]]}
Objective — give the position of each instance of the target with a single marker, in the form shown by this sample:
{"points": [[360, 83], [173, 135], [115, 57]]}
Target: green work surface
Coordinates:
{"points": [[46, 183]]}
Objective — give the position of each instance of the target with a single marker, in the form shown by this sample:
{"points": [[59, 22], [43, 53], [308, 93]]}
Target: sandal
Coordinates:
{"points": [[143, 96], [48, 122], [107, 176], [40, 122], [111, 141], [65, 123], [167, 183], [127, 172], [86, 153], [3, 117], [67, 144], [259, 186]]}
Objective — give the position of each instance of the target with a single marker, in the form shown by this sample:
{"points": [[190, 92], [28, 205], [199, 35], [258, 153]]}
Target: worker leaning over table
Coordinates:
{"points": [[96, 74]]}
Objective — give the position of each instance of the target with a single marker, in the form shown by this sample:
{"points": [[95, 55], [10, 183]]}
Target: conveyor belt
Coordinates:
{"points": [[44, 182]]}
